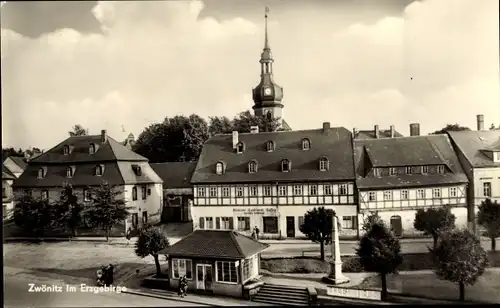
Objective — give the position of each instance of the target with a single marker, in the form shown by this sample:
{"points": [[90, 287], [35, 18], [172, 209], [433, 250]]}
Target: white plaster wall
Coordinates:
{"points": [[482, 175], [152, 204]]}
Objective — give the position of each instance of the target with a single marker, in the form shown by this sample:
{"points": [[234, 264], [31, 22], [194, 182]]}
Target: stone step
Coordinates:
{"points": [[280, 302], [283, 287], [287, 295]]}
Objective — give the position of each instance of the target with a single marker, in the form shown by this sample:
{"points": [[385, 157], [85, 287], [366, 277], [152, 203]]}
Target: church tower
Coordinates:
{"points": [[267, 95]]}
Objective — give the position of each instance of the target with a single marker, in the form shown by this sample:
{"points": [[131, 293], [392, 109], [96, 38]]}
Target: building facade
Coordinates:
{"points": [[397, 176], [7, 193], [87, 161], [270, 180], [15, 165], [479, 154]]}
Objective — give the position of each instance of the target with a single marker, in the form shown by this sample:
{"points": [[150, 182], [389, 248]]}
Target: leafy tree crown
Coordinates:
{"points": [[318, 225], [151, 241], [489, 217], [434, 221]]}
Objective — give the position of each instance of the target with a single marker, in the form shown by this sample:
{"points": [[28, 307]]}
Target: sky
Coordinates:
{"points": [[122, 66]]}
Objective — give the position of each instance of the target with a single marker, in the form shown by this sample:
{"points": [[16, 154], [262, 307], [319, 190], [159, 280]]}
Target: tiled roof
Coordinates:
{"points": [[111, 150], [220, 244], [175, 174], [6, 174], [20, 161], [370, 134], [336, 145], [471, 144], [406, 151], [148, 175]]}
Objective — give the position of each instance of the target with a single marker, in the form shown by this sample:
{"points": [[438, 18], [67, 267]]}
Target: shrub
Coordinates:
{"points": [[295, 265], [352, 265]]}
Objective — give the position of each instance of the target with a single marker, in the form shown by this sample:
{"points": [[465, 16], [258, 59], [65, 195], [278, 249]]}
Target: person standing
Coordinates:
{"points": [[256, 230]]}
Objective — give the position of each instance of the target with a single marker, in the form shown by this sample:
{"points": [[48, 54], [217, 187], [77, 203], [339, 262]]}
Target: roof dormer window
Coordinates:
{"points": [[66, 150], [219, 168], [306, 144], [137, 170], [252, 166], [440, 169], [324, 164], [70, 172], [270, 146], [42, 172], [240, 147], [286, 165], [92, 148], [99, 170]]}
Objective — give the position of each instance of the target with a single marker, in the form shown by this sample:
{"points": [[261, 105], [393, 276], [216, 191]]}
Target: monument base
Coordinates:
{"points": [[336, 276]]}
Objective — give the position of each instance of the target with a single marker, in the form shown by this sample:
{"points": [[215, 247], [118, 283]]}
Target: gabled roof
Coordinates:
{"points": [[20, 161], [370, 134], [406, 151], [175, 174], [335, 145], [110, 150], [220, 244], [473, 143], [6, 174]]}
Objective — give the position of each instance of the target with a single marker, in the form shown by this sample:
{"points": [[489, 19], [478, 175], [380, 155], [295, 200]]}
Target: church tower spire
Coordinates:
{"points": [[267, 95]]}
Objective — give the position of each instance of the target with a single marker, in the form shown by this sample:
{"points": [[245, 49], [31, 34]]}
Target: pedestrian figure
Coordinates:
{"points": [[256, 232], [253, 235], [129, 235]]}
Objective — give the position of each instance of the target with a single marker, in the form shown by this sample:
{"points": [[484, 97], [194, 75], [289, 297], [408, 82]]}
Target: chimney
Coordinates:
{"points": [[414, 129], [254, 129], [376, 131], [392, 131], [103, 136], [480, 122], [235, 139], [326, 127], [354, 132]]}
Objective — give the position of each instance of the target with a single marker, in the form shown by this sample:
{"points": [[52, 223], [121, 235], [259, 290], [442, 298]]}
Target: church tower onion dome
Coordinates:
{"points": [[267, 93]]}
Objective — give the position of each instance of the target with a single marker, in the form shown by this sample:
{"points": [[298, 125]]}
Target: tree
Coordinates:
{"points": [[371, 220], [317, 227], [7, 152], [379, 251], [434, 221], [220, 125], [34, 215], [69, 209], [78, 130], [460, 258], [489, 218], [179, 138], [245, 120], [150, 242], [450, 128], [107, 208]]}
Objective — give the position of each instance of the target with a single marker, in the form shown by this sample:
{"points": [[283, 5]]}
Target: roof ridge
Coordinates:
{"points": [[281, 132], [235, 241], [436, 150]]}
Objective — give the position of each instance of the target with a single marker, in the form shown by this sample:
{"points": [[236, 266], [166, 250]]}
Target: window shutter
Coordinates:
{"points": [[231, 223], [355, 222], [301, 220], [202, 223], [217, 223], [247, 223]]}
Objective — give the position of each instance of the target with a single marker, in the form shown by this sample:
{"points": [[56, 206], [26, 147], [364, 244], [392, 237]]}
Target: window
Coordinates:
{"points": [[425, 169], [98, 170], [404, 195], [282, 190], [144, 190], [219, 168], [313, 190], [209, 222], [91, 148], [182, 267], [226, 223], [240, 147], [137, 170], [239, 191], [252, 191], [301, 220], [372, 196], [243, 223], [343, 189], [297, 190], [487, 189], [408, 170], [328, 189], [440, 169], [285, 165], [497, 155], [323, 164], [252, 166], [270, 146], [453, 192], [392, 171], [270, 224], [134, 193], [226, 271], [69, 172], [41, 173], [248, 267], [387, 195], [201, 191], [149, 191], [376, 171], [420, 194], [349, 222], [225, 191], [45, 194], [436, 193], [306, 144], [86, 194], [267, 191], [213, 192], [66, 150]]}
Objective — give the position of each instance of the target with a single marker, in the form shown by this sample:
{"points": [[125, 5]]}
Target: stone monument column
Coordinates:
{"points": [[336, 276]]}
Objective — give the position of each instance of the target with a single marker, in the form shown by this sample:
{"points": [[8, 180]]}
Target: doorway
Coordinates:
{"points": [[204, 277], [396, 225], [135, 221], [290, 226]]}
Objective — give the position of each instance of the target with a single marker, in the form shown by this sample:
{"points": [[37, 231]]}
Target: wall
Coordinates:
{"points": [[152, 204], [7, 198], [482, 175]]}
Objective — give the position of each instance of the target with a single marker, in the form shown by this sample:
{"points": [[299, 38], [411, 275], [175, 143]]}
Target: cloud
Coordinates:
{"points": [[435, 64]]}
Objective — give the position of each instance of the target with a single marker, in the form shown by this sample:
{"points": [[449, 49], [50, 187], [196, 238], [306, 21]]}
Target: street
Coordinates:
{"points": [[17, 285]]}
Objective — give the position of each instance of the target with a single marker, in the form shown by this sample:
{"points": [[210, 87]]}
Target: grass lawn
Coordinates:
{"points": [[79, 260], [486, 289]]}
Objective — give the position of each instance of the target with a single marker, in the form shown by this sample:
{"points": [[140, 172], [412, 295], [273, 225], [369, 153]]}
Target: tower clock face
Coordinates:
{"points": [[267, 91]]}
